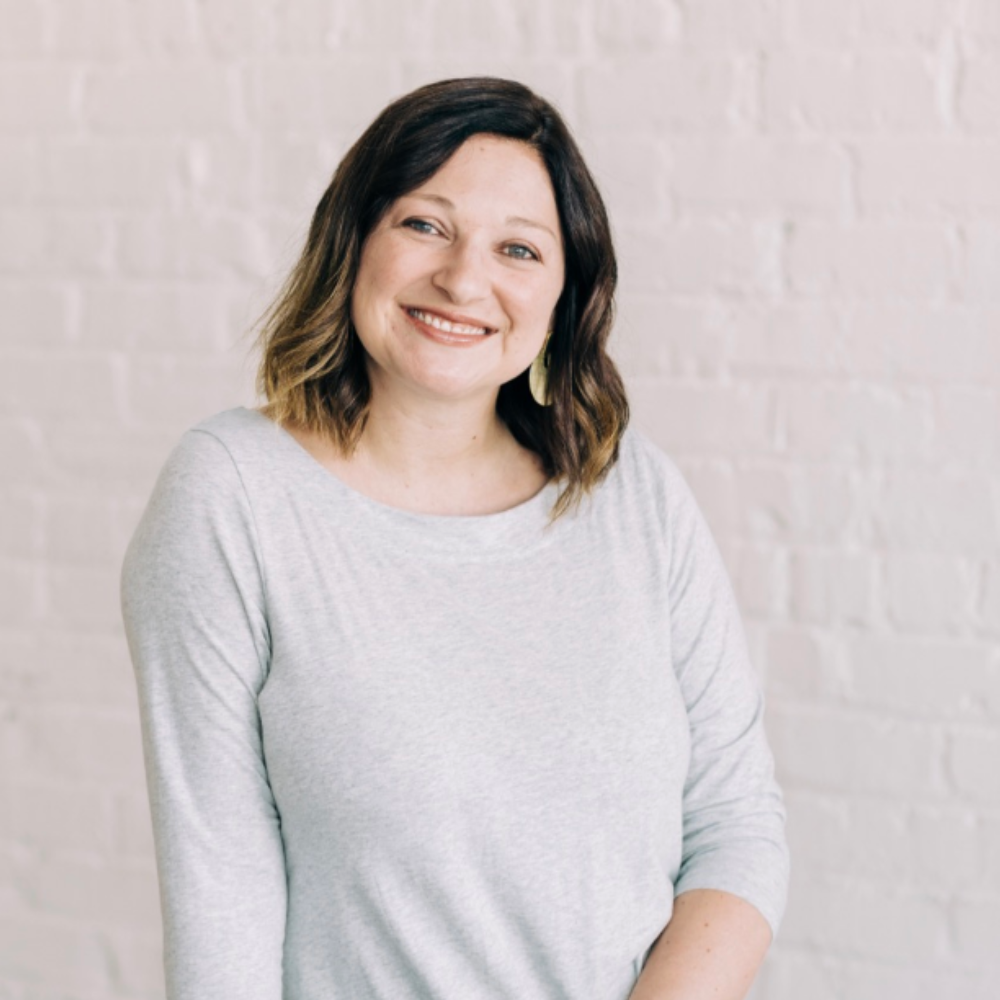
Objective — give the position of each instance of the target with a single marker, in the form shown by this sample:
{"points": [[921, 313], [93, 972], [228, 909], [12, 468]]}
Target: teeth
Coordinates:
{"points": [[443, 324]]}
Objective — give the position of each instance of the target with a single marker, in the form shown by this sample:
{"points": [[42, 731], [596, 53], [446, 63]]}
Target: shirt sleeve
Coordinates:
{"points": [[193, 608], [734, 815]]}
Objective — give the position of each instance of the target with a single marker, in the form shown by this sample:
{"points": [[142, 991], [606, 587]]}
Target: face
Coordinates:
{"points": [[458, 283]]}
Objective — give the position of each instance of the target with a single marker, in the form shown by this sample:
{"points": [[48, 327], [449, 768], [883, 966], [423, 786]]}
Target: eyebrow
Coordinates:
{"points": [[512, 220]]}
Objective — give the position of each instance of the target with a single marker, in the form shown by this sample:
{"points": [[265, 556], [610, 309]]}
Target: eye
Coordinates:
{"points": [[529, 254], [415, 223]]}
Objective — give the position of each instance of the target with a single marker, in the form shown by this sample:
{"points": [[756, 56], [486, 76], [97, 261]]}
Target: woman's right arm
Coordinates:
{"points": [[193, 607]]}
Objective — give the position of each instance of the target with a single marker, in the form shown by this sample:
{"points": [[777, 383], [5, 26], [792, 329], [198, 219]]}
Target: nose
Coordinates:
{"points": [[462, 273]]}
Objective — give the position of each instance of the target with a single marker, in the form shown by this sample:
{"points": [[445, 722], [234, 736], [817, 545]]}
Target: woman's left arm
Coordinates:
{"points": [[710, 950], [731, 888]]}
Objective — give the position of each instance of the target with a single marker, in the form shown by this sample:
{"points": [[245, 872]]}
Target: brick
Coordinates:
{"points": [[928, 342], [635, 26], [59, 818], [947, 847], [852, 424], [934, 511], [982, 22], [51, 107], [21, 535], [832, 588], [982, 278], [760, 580], [90, 452], [163, 28], [79, 530], [928, 177], [870, 260], [972, 757], [134, 826], [221, 172], [793, 504], [862, 24], [990, 828], [831, 751], [175, 317], [700, 258], [234, 28], [927, 593], [780, 337], [136, 960], [91, 28], [819, 23], [713, 485], [849, 92], [866, 919], [109, 173], [967, 428], [24, 28], [517, 28], [656, 337], [163, 389], [20, 444], [191, 99], [50, 954], [731, 23], [21, 594], [296, 172], [83, 599], [108, 893], [303, 96], [630, 173], [192, 245], [686, 419], [790, 975], [69, 669], [979, 94], [93, 747], [44, 386], [989, 610], [648, 94], [18, 170], [806, 178], [801, 665], [36, 315], [922, 979], [928, 678], [977, 929]]}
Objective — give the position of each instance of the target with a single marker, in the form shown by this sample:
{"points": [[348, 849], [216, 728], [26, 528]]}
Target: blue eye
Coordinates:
{"points": [[520, 246], [413, 223]]}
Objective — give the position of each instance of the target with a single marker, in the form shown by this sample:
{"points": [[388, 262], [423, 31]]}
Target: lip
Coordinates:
{"points": [[453, 317]]}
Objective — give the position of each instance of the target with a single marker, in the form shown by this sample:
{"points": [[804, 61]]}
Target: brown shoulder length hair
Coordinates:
{"points": [[312, 368]]}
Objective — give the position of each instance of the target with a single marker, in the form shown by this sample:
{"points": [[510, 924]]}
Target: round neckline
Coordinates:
{"points": [[522, 520]]}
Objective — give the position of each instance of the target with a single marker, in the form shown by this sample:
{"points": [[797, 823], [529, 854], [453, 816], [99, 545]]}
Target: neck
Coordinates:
{"points": [[419, 439]]}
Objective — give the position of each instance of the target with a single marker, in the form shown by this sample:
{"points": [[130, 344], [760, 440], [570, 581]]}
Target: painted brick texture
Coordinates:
{"points": [[806, 200]]}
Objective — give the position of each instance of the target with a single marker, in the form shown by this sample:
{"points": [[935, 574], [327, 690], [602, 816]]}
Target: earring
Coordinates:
{"points": [[538, 376]]}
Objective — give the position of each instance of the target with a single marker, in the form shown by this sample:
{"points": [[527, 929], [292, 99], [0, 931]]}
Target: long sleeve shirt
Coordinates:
{"points": [[404, 756]]}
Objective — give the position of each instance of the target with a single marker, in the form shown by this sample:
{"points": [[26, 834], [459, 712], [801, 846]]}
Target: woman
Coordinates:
{"points": [[443, 685]]}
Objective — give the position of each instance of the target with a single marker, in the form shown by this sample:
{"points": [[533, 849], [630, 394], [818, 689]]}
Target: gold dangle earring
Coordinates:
{"points": [[538, 375]]}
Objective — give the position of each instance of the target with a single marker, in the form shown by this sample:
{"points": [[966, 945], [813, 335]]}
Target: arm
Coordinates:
{"points": [[710, 950], [731, 889], [192, 597]]}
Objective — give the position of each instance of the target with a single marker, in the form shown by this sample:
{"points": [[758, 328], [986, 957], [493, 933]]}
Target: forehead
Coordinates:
{"points": [[494, 170]]}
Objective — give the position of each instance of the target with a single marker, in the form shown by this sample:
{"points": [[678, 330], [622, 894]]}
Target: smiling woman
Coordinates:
{"points": [[469, 202], [443, 686]]}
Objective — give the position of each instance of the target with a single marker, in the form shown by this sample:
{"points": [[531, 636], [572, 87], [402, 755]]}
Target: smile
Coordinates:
{"points": [[447, 327]]}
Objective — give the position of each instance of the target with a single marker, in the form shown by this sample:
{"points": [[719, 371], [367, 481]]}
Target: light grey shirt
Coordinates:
{"points": [[401, 756]]}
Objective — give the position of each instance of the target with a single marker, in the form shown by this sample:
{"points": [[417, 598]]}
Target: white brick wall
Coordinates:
{"points": [[806, 197]]}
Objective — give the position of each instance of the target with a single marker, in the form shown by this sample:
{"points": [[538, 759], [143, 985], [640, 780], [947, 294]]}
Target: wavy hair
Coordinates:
{"points": [[312, 368]]}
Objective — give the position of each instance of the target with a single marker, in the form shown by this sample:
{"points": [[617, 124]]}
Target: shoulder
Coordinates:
{"points": [[645, 469]]}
